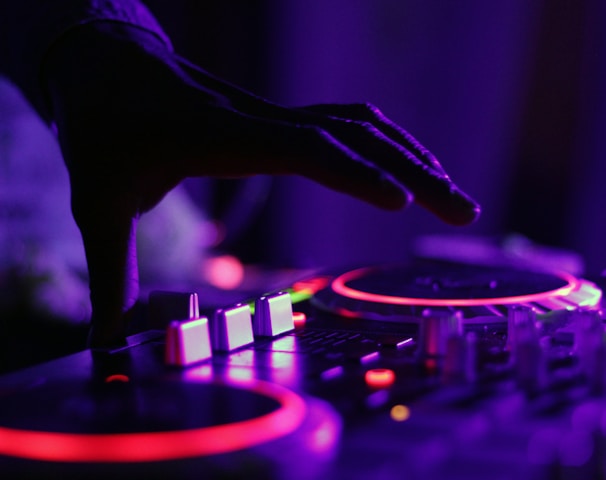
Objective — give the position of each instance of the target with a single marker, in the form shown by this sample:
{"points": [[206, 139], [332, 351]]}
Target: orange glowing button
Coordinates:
{"points": [[379, 377], [399, 413]]}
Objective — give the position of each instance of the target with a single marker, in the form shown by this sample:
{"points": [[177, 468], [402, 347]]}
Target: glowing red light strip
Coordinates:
{"points": [[158, 446], [339, 286]]}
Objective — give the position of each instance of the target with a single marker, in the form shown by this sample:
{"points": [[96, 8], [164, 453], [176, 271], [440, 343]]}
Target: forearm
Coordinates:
{"points": [[30, 28]]}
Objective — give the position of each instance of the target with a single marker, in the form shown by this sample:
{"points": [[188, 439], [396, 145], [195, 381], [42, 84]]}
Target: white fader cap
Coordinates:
{"points": [[187, 342], [231, 328], [273, 315]]}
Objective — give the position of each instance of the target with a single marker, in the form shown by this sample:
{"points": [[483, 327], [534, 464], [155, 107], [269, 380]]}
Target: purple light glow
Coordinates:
{"points": [[225, 272], [324, 437]]}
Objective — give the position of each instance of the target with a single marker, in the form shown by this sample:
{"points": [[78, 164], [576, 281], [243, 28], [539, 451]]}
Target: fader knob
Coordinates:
{"points": [[436, 327], [187, 342], [587, 326], [273, 315], [590, 348], [231, 328], [520, 324], [531, 363], [529, 351], [460, 359]]}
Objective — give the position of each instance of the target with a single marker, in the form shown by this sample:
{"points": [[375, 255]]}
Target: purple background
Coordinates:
{"points": [[508, 94]]}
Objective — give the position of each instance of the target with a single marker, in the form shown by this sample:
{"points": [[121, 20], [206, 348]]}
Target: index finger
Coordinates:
{"points": [[431, 187], [368, 113]]}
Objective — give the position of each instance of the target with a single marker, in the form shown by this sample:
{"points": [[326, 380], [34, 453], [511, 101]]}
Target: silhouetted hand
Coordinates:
{"points": [[134, 119]]}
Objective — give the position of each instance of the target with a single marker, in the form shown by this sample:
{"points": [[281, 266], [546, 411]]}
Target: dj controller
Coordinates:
{"points": [[426, 370]]}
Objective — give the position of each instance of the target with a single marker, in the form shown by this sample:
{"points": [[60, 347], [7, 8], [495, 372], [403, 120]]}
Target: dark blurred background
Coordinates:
{"points": [[510, 95]]}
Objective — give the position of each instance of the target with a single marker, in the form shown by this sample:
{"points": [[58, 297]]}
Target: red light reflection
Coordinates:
{"points": [[117, 378]]}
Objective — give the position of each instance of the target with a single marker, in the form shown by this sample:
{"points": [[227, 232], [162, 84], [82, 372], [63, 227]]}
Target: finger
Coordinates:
{"points": [[334, 165], [234, 144], [107, 224], [430, 188], [365, 112], [250, 104], [418, 173]]}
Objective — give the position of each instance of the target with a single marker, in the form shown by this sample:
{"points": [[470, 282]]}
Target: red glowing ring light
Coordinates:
{"points": [[161, 446], [339, 286]]}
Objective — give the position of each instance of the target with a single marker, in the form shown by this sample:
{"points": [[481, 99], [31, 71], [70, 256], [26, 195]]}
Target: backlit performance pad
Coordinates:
{"points": [[350, 393]]}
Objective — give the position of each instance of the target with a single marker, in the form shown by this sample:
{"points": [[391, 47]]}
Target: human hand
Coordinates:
{"points": [[134, 119]]}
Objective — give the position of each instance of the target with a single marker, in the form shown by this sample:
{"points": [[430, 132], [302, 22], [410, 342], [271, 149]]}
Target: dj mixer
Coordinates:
{"points": [[426, 370]]}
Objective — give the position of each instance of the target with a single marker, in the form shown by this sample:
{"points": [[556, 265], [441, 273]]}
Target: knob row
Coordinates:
{"points": [[442, 343], [191, 338]]}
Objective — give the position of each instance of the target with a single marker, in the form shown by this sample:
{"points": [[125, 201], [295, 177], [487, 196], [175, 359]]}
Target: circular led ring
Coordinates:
{"points": [[161, 446], [339, 286]]}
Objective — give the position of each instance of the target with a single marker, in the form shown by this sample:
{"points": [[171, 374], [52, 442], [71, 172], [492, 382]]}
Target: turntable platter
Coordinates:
{"points": [[402, 292], [142, 421]]}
